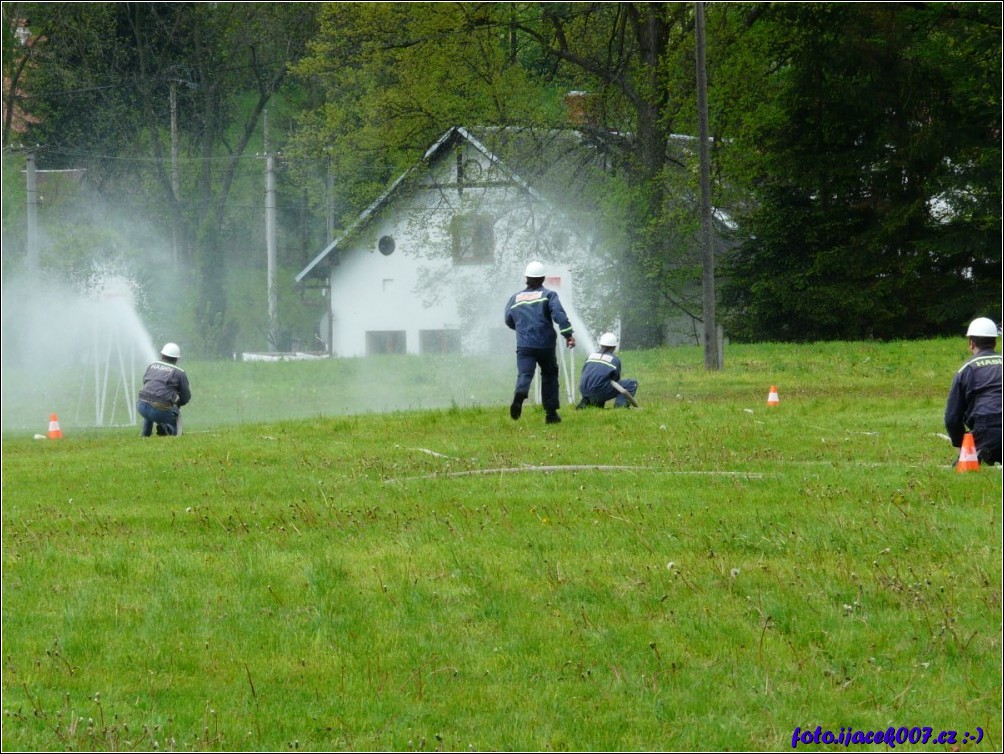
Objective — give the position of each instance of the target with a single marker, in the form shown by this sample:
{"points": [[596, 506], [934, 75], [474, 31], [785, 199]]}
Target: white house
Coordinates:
{"points": [[428, 267]]}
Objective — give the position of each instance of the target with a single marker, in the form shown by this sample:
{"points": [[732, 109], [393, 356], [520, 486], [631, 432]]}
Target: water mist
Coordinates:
{"points": [[77, 353]]}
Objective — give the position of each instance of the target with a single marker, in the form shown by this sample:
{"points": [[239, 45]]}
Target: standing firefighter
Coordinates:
{"points": [[599, 374], [974, 401], [532, 313], [165, 390]]}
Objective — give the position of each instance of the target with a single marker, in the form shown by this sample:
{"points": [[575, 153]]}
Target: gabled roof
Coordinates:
{"points": [[539, 162], [568, 168]]}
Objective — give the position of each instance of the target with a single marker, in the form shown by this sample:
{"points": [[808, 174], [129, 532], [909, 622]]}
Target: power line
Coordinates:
{"points": [[85, 155], [26, 97], [126, 80], [154, 160]]}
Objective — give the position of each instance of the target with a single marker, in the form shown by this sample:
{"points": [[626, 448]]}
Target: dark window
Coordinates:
{"points": [[439, 341], [386, 245], [385, 341], [473, 239]]}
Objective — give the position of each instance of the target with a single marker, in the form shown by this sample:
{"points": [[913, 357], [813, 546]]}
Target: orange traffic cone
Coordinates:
{"points": [[968, 460], [772, 399], [55, 433]]}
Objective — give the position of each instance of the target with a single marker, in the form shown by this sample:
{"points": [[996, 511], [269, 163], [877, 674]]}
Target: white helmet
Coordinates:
{"points": [[608, 339], [982, 327], [171, 351], [534, 270]]}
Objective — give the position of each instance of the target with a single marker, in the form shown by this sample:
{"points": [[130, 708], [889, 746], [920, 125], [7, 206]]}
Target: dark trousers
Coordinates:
{"points": [[527, 361], [610, 393], [166, 421], [988, 445]]}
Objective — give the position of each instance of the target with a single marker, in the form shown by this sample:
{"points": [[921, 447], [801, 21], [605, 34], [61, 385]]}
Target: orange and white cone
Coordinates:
{"points": [[968, 460], [55, 433], [772, 399]]}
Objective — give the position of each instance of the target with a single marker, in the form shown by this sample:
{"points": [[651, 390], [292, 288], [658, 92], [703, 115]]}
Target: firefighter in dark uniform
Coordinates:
{"points": [[165, 390], [597, 373], [532, 313], [974, 401]]}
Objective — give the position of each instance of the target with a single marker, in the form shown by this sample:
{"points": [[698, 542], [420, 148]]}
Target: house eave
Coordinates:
{"points": [[316, 269], [358, 224], [313, 268]]}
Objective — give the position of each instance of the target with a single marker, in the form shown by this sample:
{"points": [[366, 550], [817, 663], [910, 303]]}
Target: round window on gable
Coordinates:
{"points": [[386, 245]]}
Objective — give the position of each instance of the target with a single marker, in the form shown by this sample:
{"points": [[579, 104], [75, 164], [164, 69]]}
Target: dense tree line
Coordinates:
{"points": [[856, 146], [872, 162]]}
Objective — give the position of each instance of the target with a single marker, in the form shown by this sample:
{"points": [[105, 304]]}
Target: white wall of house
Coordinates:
{"points": [[420, 293]]}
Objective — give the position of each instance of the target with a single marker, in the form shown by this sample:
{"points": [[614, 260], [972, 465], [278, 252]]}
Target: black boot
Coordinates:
{"points": [[516, 407], [552, 418]]}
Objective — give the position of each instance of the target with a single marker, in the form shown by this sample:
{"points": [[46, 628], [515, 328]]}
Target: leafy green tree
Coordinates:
{"points": [[65, 70], [630, 55], [100, 85], [871, 147], [395, 76], [227, 48], [391, 77]]}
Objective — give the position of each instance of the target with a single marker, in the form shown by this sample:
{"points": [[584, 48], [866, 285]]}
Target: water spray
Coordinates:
{"points": [[561, 281], [121, 346]]}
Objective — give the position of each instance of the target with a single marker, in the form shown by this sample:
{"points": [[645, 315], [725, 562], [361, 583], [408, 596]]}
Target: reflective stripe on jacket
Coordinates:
{"points": [[597, 372], [532, 314], [974, 400]]}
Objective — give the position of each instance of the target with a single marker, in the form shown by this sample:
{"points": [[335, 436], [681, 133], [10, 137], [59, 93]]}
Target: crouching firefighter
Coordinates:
{"points": [[974, 401], [599, 374], [165, 390]]}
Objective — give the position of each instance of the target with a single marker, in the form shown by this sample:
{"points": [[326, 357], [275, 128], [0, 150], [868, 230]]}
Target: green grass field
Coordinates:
{"points": [[703, 573]]}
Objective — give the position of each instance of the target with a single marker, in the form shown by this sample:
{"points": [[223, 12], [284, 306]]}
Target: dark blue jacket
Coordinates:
{"points": [[166, 385], [531, 313], [597, 372], [974, 400]]}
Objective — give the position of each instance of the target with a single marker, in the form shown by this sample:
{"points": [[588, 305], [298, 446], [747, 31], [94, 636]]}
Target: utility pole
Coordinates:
{"points": [[329, 196], [270, 245], [177, 74], [326, 291], [712, 359], [32, 230], [175, 183]]}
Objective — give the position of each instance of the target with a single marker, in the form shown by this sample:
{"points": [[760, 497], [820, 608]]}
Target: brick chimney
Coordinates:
{"points": [[582, 109]]}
